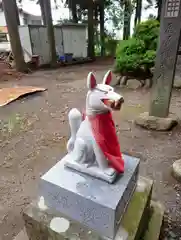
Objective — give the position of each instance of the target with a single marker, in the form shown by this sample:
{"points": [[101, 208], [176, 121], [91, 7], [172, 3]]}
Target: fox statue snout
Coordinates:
{"points": [[114, 105]]}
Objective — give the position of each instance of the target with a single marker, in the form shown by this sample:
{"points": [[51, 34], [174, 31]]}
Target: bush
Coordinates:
{"points": [[135, 57], [148, 32], [129, 55]]}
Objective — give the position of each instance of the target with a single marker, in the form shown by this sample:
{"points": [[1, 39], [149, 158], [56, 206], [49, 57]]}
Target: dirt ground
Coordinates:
{"points": [[34, 131]]}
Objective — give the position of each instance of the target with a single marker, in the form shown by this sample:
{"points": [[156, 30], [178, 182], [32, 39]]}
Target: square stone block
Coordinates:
{"points": [[92, 202]]}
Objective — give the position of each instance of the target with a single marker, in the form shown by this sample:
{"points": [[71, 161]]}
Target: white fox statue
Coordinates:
{"points": [[93, 147]]}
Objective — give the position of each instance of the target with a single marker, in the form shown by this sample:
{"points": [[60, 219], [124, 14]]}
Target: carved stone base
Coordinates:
{"points": [[93, 171], [93, 203]]}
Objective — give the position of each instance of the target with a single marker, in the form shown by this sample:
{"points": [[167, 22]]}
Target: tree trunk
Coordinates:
{"points": [[50, 32], [102, 35], [138, 12], [97, 43], [74, 12], [159, 9], [11, 21], [16, 12], [91, 52], [127, 19], [41, 2]]}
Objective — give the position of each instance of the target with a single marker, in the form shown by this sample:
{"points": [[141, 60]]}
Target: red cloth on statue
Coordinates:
{"points": [[104, 131]]}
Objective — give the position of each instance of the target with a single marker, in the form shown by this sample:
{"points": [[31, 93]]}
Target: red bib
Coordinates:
{"points": [[104, 132]]}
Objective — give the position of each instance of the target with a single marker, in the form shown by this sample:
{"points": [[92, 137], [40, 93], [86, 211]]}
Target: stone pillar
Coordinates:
{"points": [[166, 58]]}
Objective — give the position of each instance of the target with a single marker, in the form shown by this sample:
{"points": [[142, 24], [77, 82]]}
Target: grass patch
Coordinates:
{"points": [[14, 124]]}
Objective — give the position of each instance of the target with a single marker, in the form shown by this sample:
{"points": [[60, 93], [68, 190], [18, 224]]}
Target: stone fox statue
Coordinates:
{"points": [[93, 146]]}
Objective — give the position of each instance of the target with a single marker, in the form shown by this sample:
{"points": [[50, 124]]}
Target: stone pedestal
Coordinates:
{"points": [[45, 223], [93, 203]]}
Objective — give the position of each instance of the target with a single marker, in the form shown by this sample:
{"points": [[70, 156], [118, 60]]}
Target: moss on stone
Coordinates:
{"points": [[133, 219], [155, 222]]}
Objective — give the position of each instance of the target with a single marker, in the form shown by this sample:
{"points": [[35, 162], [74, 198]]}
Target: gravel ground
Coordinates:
{"points": [[34, 131]]}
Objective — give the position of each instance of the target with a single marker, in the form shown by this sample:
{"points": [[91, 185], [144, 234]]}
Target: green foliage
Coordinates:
{"points": [[137, 55], [148, 32], [114, 14], [129, 55], [149, 58]]}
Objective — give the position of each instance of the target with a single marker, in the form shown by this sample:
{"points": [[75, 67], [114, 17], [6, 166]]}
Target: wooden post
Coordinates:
{"points": [[166, 58]]}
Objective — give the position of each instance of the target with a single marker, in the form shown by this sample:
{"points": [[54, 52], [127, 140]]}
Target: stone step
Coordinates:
{"points": [[46, 224], [155, 222]]}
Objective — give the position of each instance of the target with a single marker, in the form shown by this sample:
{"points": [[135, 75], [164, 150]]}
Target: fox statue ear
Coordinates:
{"points": [[107, 78], [91, 81]]}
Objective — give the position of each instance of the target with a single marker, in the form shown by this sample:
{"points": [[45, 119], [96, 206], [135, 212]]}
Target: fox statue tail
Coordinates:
{"points": [[75, 119]]}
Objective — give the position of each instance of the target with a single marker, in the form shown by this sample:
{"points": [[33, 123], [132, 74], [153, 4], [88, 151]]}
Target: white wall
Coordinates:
{"points": [[34, 20], [21, 19], [74, 39], [2, 19]]}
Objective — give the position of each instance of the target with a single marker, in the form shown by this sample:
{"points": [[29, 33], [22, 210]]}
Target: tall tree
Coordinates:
{"points": [[42, 7], [74, 12], [157, 4], [102, 36], [50, 30], [16, 12], [10, 9], [127, 18], [91, 52], [138, 12], [114, 13]]}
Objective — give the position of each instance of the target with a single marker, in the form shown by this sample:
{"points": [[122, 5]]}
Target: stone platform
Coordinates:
{"points": [[44, 223], [93, 203]]}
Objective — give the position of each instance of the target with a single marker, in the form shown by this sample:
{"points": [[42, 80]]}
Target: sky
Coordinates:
{"points": [[61, 13]]}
